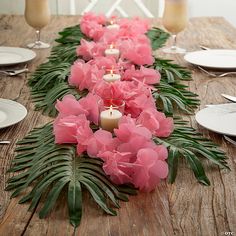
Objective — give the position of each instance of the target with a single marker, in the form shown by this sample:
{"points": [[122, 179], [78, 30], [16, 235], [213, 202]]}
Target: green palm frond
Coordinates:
{"points": [[46, 101], [63, 53], [186, 142], [170, 97], [171, 71], [49, 82], [171, 94], [48, 74], [65, 50], [158, 37], [71, 35], [55, 169], [69, 40]]}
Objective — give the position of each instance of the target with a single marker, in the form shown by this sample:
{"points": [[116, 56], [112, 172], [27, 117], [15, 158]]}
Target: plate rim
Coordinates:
{"points": [[213, 130], [30, 54], [17, 104], [208, 51]]}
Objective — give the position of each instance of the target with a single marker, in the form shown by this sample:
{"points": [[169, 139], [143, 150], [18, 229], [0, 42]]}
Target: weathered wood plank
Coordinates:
{"points": [[184, 208]]}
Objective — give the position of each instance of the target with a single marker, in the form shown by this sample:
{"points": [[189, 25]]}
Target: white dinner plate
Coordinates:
{"points": [[220, 119], [214, 58], [14, 55], [11, 112]]}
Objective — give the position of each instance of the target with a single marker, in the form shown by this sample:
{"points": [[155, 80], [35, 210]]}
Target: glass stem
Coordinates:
{"points": [[37, 37], [174, 41]]}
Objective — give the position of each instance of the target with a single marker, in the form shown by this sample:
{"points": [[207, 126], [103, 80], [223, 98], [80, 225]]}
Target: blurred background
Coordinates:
{"points": [[125, 8]]}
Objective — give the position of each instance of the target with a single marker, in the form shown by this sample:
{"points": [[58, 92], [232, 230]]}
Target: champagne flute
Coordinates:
{"points": [[175, 20], [37, 15]]}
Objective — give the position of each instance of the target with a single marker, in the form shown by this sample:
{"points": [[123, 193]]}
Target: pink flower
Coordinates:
{"points": [[100, 142], [156, 122], [117, 165], [136, 158], [127, 120], [90, 16], [83, 134], [84, 75], [70, 106], [139, 54], [85, 49], [89, 50], [90, 104], [137, 97], [71, 129], [132, 138], [145, 75], [104, 63], [91, 26], [127, 130], [138, 50], [92, 30], [149, 170], [109, 90], [110, 36], [135, 26]]}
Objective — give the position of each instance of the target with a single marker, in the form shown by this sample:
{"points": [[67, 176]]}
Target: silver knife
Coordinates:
{"points": [[5, 142], [228, 97]]}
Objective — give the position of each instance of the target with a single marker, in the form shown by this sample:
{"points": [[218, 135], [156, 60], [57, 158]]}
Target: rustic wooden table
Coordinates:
{"points": [[184, 208]]}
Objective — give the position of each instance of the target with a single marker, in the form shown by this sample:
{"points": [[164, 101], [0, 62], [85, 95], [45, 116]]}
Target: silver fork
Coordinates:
{"points": [[14, 72], [230, 140], [217, 74]]}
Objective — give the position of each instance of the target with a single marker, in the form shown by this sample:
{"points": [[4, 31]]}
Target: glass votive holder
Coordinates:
{"points": [[112, 51], [111, 110], [112, 24], [112, 75]]}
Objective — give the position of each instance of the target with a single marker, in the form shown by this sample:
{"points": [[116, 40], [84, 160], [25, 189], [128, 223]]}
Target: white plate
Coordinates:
{"points": [[14, 55], [220, 119], [214, 58], [11, 112]]}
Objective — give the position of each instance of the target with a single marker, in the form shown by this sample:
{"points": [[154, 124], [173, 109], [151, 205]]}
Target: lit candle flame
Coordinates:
{"points": [[110, 110], [111, 22], [112, 71]]}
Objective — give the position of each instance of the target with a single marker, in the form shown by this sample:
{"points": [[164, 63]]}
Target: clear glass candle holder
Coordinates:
{"points": [[112, 24], [111, 111], [112, 51], [112, 74]]}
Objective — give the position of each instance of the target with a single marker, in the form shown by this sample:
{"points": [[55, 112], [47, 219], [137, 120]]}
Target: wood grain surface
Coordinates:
{"points": [[183, 208]]}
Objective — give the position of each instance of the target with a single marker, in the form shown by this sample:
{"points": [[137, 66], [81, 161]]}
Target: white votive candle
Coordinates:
{"points": [[111, 77], [109, 119], [113, 26], [114, 52]]}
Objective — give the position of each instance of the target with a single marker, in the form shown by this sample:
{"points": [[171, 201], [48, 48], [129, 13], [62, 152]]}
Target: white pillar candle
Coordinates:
{"points": [[111, 77], [113, 27], [109, 119]]}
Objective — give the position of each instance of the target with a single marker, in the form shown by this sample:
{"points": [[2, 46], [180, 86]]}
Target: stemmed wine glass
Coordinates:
{"points": [[37, 15], [175, 20]]}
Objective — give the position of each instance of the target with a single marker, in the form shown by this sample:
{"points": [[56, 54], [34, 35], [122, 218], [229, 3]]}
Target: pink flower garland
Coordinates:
{"points": [[130, 156]]}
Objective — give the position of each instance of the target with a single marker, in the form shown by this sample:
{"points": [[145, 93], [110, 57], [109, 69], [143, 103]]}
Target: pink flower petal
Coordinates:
{"points": [[149, 170], [90, 103], [156, 122], [70, 106], [100, 142]]}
